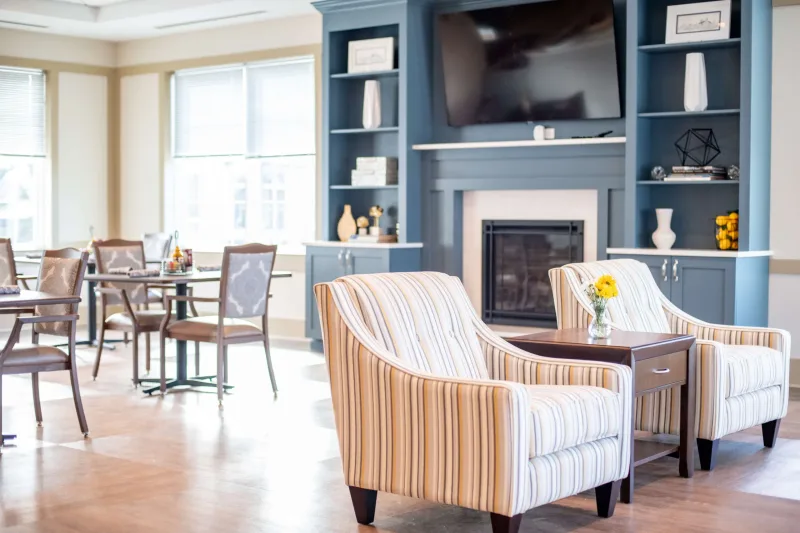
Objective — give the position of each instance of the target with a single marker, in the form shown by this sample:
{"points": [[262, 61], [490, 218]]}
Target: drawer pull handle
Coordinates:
{"points": [[661, 371]]}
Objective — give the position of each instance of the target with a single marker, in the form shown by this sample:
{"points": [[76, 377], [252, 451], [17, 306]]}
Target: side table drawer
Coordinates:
{"points": [[660, 371]]}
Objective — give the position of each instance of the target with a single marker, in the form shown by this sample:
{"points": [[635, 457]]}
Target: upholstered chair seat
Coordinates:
{"points": [[149, 320], [430, 403], [742, 372], [206, 329], [24, 355]]}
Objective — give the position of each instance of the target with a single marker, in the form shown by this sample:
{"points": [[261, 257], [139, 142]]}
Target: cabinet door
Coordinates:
{"points": [[366, 261], [659, 266], [322, 265], [704, 287]]}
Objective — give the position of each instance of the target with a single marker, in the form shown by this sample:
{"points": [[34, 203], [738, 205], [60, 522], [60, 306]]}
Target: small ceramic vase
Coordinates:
{"points": [[663, 236], [347, 225]]}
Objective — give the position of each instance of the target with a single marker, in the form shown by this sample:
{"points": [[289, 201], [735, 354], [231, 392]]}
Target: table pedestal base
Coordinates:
{"points": [[198, 381]]}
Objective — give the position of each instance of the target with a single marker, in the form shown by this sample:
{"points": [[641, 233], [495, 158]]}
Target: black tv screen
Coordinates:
{"points": [[535, 62]]}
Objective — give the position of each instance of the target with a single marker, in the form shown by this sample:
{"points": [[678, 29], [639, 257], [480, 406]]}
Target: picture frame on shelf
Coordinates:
{"points": [[694, 23], [370, 55]]}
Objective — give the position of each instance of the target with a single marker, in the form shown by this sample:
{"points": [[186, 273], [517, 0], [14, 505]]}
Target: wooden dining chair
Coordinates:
{"points": [[8, 267], [243, 293], [136, 316], [156, 245], [61, 273]]}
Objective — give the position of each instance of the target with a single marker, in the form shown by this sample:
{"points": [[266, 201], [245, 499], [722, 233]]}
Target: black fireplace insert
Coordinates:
{"points": [[517, 256]]}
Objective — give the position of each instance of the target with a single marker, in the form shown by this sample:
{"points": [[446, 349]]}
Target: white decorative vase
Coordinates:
{"points": [[372, 104], [695, 89], [663, 236]]}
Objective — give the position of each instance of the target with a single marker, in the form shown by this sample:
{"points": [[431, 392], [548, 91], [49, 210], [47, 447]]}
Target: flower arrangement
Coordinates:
{"points": [[600, 292]]}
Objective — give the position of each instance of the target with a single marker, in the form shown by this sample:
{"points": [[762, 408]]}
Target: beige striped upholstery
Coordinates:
{"points": [[742, 372], [429, 403]]}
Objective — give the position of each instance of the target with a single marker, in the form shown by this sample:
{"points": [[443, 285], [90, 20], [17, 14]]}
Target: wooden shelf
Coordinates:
{"points": [[645, 451], [689, 47], [362, 187], [667, 183], [365, 75], [679, 114], [520, 144], [357, 131]]}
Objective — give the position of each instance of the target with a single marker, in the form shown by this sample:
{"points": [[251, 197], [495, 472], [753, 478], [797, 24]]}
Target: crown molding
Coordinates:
{"points": [[333, 6]]}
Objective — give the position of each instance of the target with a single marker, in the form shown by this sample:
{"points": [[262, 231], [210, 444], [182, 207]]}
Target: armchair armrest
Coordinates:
{"points": [[174, 298], [13, 337], [398, 428]]}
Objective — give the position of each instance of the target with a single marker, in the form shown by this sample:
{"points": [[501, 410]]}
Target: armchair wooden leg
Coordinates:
{"points": [[76, 391], [607, 496], [769, 431], [37, 404], [162, 361], [100, 340], [505, 524], [220, 370], [364, 501], [265, 326], [125, 339], [135, 358], [708, 453], [196, 358], [147, 355], [225, 365], [2, 440]]}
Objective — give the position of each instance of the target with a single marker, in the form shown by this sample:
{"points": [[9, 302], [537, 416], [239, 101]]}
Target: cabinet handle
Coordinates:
{"points": [[661, 371], [340, 257], [348, 261], [675, 271], [664, 270]]}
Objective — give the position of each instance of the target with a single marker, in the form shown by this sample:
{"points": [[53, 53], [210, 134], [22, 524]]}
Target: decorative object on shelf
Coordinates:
{"points": [[397, 230], [375, 212], [691, 174], [698, 146], [695, 89], [370, 55], [600, 292], [371, 117], [733, 173], [704, 21], [374, 171], [363, 224], [726, 231], [549, 134], [539, 133], [347, 224], [658, 173], [663, 236]]}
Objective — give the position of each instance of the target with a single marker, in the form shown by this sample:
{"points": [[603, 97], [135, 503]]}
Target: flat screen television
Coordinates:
{"points": [[535, 62]]}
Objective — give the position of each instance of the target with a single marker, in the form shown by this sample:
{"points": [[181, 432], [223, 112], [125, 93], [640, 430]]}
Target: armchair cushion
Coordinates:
{"points": [[34, 354], [205, 328], [421, 319], [564, 417], [752, 368]]}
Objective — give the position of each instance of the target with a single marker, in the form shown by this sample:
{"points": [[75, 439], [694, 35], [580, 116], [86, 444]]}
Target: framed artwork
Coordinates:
{"points": [[370, 55], [706, 21]]}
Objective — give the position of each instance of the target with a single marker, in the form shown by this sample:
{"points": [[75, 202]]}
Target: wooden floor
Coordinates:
{"points": [[178, 464]]}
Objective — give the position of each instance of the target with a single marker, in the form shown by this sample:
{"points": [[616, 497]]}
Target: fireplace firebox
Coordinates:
{"points": [[517, 256]]}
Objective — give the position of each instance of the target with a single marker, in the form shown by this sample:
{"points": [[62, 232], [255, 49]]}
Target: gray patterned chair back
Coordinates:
{"points": [[246, 275], [61, 273], [156, 245], [8, 270], [117, 253]]}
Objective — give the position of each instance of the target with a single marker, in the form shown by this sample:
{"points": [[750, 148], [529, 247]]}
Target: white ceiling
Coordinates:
{"points": [[123, 20]]}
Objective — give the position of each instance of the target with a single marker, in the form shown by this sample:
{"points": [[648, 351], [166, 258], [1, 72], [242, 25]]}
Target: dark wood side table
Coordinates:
{"points": [[658, 361]]}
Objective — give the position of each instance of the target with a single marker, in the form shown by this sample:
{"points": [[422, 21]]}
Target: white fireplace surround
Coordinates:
{"points": [[579, 205]]}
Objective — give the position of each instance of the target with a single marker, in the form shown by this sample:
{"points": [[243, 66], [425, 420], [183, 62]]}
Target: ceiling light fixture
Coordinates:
{"points": [[26, 24], [203, 21]]}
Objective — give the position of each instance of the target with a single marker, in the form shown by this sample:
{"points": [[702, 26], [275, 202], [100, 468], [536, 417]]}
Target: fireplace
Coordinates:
{"points": [[517, 256]]}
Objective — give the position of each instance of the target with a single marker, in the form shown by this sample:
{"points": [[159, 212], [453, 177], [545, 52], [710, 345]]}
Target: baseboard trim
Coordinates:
{"points": [[794, 374]]}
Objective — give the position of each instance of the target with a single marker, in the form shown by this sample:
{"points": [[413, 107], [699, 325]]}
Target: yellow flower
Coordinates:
{"points": [[606, 287]]}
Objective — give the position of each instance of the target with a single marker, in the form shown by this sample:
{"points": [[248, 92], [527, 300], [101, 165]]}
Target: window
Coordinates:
{"points": [[244, 155], [22, 157]]}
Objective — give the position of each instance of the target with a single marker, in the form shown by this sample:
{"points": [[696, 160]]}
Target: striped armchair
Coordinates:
{"points": [[742, 372], [430, 403]]}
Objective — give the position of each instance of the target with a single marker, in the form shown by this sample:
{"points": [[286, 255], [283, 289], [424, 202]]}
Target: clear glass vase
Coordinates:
{"points": [[600, 326]]}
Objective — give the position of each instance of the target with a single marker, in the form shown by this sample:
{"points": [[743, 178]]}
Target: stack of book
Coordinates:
{"points": [[374, 171], [707, 173]]}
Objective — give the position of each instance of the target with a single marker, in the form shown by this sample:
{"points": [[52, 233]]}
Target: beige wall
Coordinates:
{"points": [[46, 47]]}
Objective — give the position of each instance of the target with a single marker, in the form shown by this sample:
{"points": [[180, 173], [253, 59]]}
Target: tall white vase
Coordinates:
{"points": [[372, 104], [663, 236], [695, 89]]}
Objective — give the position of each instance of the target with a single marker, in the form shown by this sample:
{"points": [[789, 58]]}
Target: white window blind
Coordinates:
{"points": [[22, 112], [281, 108], [209, 112]]}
